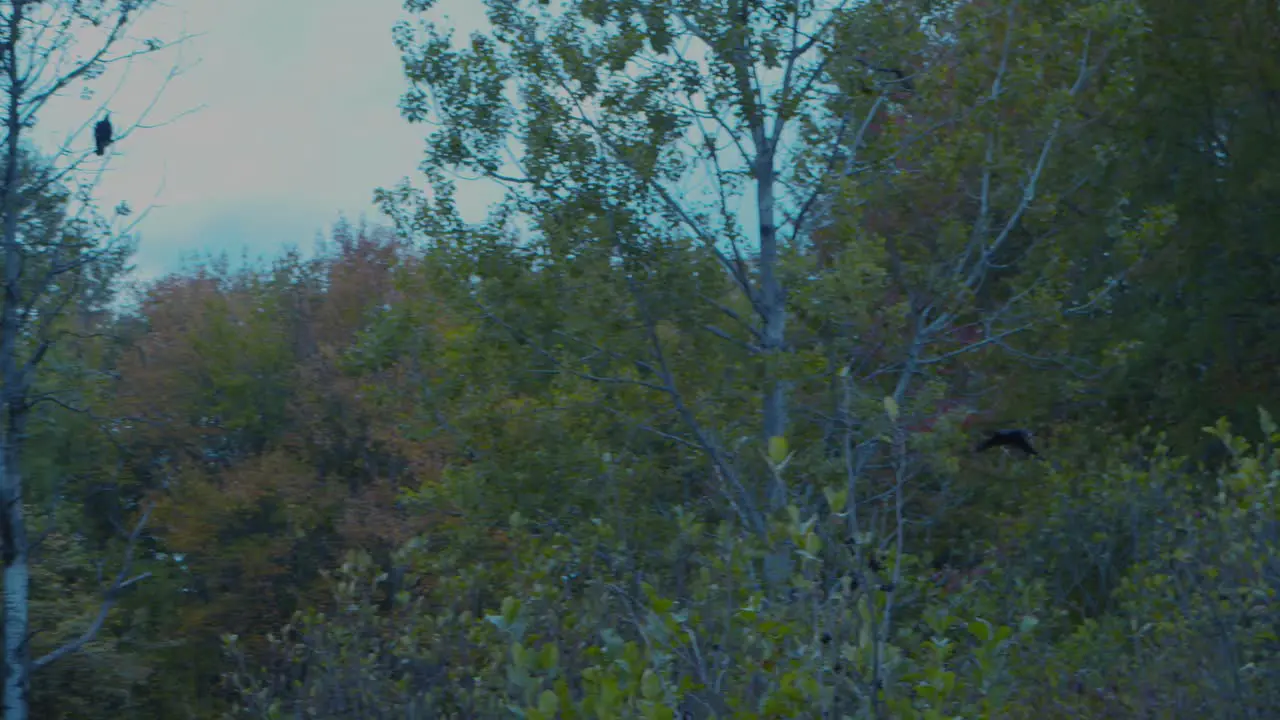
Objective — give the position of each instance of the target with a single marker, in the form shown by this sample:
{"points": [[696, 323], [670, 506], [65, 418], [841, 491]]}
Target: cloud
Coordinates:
{"points": [[300, 122]]}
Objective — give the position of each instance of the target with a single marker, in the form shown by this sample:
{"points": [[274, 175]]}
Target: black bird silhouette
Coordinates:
{"points": [[102, 134], [1020, 439]]}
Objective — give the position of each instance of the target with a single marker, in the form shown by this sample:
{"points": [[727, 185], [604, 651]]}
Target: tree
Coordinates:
{"points": [[934, 147], [53, 246], [707, 357], [622, 106], [1189, 337], [276, 415]]}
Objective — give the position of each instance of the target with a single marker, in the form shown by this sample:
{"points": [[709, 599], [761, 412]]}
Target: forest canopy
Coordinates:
{"points": [[686, 426]]}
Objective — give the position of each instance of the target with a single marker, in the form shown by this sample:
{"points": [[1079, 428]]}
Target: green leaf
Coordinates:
{"points": [[836, 499], [1268, 424], [812, 544], [650, 685], [548, 703], [980, 629], [891, 407], [777, 449]]}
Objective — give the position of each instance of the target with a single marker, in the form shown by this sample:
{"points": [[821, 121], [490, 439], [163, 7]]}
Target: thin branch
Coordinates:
{"points": [[994, 339], [122, 582]]}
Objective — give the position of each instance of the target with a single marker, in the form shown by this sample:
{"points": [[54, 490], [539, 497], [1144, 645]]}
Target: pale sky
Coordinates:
{"points": [[300, 122]]}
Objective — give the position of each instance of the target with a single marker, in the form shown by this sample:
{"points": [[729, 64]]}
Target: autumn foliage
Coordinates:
{"points": [[517, 465]]}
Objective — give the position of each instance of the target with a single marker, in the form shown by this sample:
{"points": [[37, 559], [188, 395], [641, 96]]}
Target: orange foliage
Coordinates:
{"points": [[272, 456]]}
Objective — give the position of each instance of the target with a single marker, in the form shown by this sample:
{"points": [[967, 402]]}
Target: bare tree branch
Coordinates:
{"points": [[122, 581]]}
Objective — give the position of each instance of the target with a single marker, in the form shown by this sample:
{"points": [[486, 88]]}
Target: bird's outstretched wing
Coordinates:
{"points": [[1023, 442], [1020, 439]]}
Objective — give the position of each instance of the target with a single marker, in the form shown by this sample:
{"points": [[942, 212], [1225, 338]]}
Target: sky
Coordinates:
{"points": [[286, 115]]}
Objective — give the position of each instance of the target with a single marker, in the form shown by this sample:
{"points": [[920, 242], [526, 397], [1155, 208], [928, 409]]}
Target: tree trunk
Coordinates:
{"points": [[13, 529], [772, 305], [16, 580]]}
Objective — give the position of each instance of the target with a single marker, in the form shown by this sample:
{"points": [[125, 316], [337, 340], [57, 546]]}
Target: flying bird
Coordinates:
{"points": [[102, 134], [1020, 439]]}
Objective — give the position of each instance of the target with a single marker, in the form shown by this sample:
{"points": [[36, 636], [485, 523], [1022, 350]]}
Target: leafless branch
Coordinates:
{"points": [[740, 496], [122, 581]]}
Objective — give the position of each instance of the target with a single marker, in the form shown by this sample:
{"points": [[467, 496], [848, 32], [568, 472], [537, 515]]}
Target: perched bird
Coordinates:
{"points": [[1020, 439], [102, 134]]}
